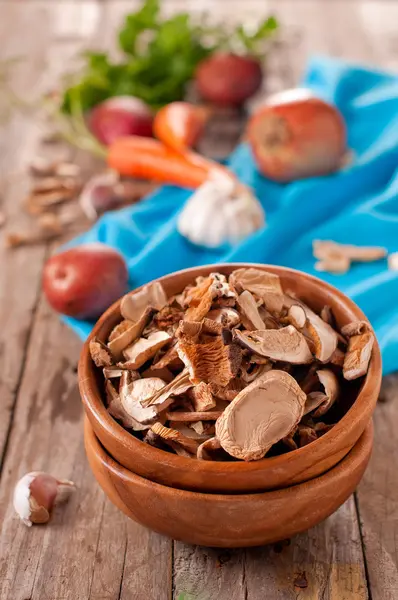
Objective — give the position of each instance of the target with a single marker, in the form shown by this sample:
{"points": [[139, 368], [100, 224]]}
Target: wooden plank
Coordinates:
{"points": [[89, 547], [378, 498], [42, 61], [327, 562]]}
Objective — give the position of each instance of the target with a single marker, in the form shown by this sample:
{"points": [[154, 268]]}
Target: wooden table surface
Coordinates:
{"points": [[90, 551]]}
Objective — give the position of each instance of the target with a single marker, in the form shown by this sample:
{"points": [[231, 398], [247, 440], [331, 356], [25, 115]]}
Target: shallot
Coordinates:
{"points": [[120, 116], [228, 79]]}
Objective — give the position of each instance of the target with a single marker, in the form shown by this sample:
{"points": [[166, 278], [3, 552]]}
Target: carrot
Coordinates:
{"points": [[149, 159], [179, 125]]}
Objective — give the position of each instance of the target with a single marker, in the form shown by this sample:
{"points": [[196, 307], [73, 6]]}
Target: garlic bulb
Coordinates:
{"points": [[221, 210], [36, 494]]}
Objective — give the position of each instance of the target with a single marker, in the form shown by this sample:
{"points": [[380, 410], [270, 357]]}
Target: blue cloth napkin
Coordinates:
{"points": [[358, 205]]}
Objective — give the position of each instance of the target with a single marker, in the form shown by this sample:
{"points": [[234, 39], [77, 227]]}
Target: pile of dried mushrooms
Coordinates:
{"points": [[228, 368]]}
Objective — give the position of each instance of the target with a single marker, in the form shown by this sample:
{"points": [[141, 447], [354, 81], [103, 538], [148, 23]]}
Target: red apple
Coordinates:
{"points": [[83, 282], [297, 135], [118, 117], [228, 79]]}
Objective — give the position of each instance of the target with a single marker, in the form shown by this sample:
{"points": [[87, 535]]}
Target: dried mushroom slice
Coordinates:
{"points": [[337, 358], [192, 417], [314, 399], [331, 386], [172, 437], [112, 372], [357, 357], [100, 353], [208, 449], [328, 250], [286, 344], [127, 334], [355, 328], [119, 329], [200, 297], [189, 431], [335, 264], [201, 397], [249, 312], [178, 386], [297, 316], [211, 361], [143, 349], [131, 396], [306, 435], [327, 315], [227, 317], [262, 414], [253, 371], [117, 411], [163, 373], [134, 305], [170, 359], [228, 392], [263, 284], [166, 319]]}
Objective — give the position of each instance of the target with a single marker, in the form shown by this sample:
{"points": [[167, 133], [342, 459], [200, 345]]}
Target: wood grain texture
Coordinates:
{"points": [[108, 556], [327, 561], [378, 499]]}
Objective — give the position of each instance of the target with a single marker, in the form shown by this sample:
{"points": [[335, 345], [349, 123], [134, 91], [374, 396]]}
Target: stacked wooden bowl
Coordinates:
{"points": [[231, 504]]}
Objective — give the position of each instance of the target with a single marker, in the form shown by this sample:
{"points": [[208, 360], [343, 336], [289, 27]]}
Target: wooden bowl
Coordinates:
{"points": [[228, 521], [226, 477]]}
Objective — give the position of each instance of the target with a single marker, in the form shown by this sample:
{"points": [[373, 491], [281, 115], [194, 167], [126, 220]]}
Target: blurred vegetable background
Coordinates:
{"points": [[160, 56]]}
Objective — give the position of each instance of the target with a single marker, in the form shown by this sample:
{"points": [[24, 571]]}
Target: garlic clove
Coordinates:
{"points": [[98, 195], [36, 494], [220, 211]]}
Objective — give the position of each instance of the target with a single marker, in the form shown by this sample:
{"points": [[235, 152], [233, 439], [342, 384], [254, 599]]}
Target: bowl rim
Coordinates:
{"points": [[98, 411], [365, 439]]}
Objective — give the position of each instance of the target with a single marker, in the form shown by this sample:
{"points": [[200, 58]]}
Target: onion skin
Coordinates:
{"points": [[118, 117], [83, 282], [227, 79], [297, 135]]}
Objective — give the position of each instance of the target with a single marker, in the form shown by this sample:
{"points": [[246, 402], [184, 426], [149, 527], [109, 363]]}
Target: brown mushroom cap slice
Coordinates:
{"points": [[297, 316], [263, 413], [357, 357], [285, 344], [263, 284], [328, 250], [324, 337], [207, 448], [248, 309], [211, 361], [172, 437], [314, 399], [128, 334], [100, 353], [201, 397], [117, 410], [138, 391], [133, 305], [179, 385], [355, 328], [227, 317], [143, 349]]}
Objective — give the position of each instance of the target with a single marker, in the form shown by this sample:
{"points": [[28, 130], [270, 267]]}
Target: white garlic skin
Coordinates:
{"points": [[221, 210], [22, 495], [393, 261]]}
